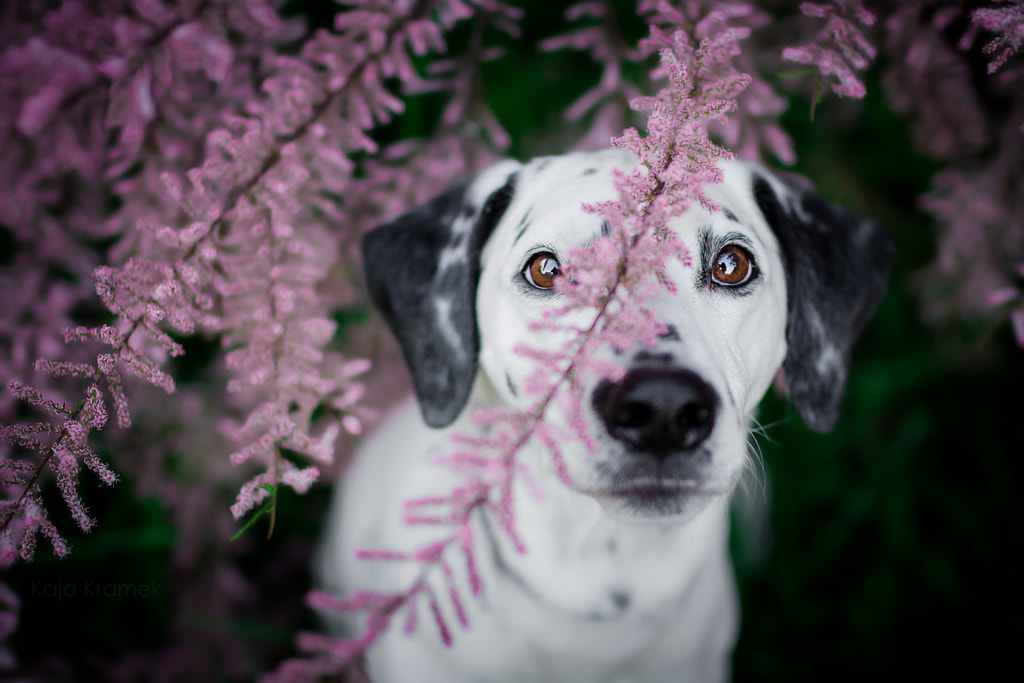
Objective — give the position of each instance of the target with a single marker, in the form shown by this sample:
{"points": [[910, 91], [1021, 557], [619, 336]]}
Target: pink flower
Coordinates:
{"points": [[1008, 25], [841, 48]]}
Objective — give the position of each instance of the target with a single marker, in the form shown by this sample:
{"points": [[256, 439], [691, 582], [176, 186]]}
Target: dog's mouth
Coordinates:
{"points": [[653, 488], [654, 497]]}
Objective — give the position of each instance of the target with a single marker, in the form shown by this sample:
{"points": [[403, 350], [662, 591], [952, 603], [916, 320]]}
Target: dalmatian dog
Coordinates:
{"points": [[626, 574]]}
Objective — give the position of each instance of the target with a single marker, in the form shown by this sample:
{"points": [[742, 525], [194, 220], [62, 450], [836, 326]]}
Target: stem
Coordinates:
{"points": [[815, 98], [273, 507]]}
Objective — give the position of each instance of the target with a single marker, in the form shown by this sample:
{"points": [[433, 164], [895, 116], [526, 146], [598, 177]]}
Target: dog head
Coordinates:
{"points": [[779, 278]]}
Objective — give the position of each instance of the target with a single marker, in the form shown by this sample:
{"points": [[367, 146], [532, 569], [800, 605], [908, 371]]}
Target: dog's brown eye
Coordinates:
{"points": [[542, 270], [732, 266]]}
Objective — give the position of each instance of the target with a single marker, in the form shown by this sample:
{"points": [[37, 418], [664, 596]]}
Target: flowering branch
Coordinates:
{"points": [[752, 131], [59, 125], [1008, 25], [840, 48], [974, 198]]}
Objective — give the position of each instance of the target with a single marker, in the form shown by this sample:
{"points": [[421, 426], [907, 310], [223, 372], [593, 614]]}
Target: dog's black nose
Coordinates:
{"points": [[657, 411]]}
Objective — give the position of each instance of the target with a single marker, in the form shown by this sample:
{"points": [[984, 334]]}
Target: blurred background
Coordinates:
{"points": [[891, 546]]}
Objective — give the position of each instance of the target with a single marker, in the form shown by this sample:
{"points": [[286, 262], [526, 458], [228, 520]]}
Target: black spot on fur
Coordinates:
{"points": [[671, 333], [492, 212], [523, 225], [654, 357], [590, 171]]}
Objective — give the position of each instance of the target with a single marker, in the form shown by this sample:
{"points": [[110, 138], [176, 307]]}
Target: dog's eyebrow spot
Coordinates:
{"points": [[730, 215], [654, 357], [620, 599], [671, 333], [523, 225]]}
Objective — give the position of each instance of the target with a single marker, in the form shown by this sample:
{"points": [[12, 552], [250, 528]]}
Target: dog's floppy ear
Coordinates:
{"points": [[422, 270], [837, 264]]}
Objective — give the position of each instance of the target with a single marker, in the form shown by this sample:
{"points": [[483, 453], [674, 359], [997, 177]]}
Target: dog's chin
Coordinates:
{"points": [[654, 503]]}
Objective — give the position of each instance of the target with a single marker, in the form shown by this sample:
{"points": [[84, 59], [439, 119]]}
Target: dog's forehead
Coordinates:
{"points": [[551, 193], [738, 209], [551, 182], [733, 195], [587, 172]]}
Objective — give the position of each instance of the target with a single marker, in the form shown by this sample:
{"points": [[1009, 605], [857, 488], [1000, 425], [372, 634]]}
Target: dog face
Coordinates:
{"points": [[779, 277]]}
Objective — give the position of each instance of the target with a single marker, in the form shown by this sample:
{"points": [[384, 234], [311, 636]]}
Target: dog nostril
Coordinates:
{"points": [[694, 422], [693, 415], [631, 415]]}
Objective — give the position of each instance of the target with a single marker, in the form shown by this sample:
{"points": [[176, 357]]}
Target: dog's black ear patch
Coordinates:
{"points": [[422, 270], [837, 264]]}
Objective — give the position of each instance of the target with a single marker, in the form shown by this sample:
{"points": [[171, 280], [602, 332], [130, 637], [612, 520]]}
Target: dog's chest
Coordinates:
{"points": [[583, 564], [599, 602]]}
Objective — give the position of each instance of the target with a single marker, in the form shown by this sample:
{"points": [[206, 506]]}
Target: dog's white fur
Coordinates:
{"points": [[612, 587]]}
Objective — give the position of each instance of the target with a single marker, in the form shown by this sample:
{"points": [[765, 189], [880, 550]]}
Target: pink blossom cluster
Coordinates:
{"points": [[932, 86], [1007, 23], [752, 131], [974, 197], [246, 214], [225, 160], [840, 48], [78, 95]]}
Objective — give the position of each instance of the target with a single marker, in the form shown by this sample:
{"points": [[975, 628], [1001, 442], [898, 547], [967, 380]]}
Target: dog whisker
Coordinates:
{"points": [[754, 464]]}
